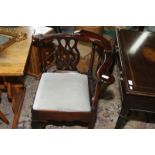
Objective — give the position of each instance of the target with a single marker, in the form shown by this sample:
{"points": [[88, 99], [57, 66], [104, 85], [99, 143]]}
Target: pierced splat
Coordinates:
{"points": [[67, 55]]}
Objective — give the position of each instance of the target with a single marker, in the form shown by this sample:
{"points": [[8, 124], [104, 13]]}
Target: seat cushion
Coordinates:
{"points": [[67, 92]]}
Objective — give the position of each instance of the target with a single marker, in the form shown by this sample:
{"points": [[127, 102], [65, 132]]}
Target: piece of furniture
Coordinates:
{"points": [[13, 61], [39, 62], [69, 95], [136, 61]]}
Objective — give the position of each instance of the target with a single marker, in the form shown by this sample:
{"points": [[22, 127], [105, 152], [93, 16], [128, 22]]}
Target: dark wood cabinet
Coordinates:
{"points": [[136, 61]]}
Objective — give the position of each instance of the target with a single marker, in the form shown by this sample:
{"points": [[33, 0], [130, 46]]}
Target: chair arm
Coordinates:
{"points": [[103, 74], [41, 37], [91, 36]]}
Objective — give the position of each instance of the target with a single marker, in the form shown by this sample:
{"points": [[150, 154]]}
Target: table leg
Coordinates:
{"points": [[16, 93], [17, 102], [122, 117]]}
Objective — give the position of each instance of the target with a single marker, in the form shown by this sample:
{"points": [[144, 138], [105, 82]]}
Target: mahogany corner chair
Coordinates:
{"points": [[69, 95]]}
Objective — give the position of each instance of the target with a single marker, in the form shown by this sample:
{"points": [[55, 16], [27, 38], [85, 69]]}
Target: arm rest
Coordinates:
{"points": [[103, 74], [90, 36], [41, 37]]}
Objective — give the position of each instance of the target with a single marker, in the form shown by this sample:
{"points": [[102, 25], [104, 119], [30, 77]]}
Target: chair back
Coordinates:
{"points": [[66, 52]]}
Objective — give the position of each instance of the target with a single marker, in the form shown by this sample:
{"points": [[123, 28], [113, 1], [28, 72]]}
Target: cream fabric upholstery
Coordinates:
{"points": [[63, 92]]}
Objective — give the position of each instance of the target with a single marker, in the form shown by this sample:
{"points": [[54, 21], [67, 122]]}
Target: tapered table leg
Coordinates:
{"points": [[122, 117], [17, 102]]}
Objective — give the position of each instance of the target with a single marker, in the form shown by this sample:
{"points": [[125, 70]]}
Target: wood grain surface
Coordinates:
{"points": [[13, 59]]}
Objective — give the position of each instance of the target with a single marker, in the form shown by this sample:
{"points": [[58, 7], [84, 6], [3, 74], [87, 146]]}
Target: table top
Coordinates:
{"points": [[13, 58], [137, 55]]}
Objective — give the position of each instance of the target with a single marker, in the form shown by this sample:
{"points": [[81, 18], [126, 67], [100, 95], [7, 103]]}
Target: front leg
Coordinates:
{"points": [[17, 102]]}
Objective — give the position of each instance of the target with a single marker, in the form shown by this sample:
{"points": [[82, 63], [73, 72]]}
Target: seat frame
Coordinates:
{"points": [[66, 58]]}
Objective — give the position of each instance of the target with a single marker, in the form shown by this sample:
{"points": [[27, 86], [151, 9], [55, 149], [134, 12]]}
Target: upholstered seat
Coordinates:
{"points": [[66, 92]]}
